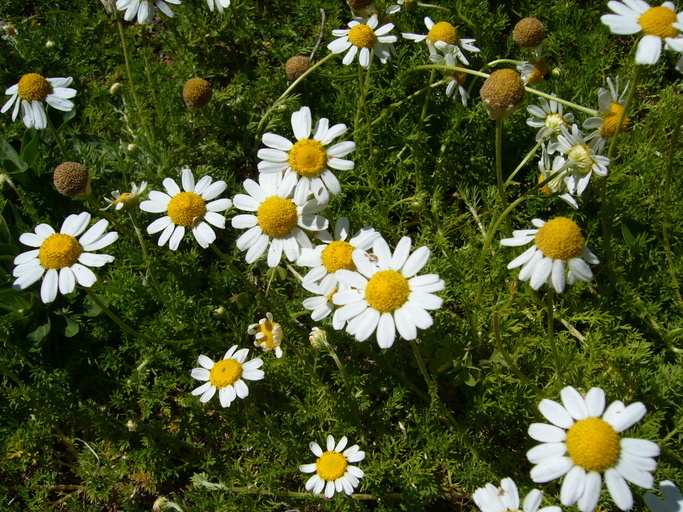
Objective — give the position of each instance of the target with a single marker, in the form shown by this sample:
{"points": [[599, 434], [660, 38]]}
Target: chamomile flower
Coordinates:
{"points": [[506, 498], [220, 5], [584, 442], [456, 79], [533, 72], [549, 118], [443, 37], [308, 159], [558, 244], [187, 209], [268, 334], [226, 376], [127, 200], [557, 184], [143, 9], [32, 92], [321, 305], [333, 469], [659, 26], [385, 293], [277, 220], [671, 500], [364, 38], [61, 258], [611, 107]]}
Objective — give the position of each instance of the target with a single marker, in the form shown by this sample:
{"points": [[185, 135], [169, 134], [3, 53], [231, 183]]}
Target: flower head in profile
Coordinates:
{"points": [[386, 294], [671, 500], [277, 219], [549, 117], [333, 471], [456, 79], [308, 159], [583, 443], [268, 334], [226, 376], [31, 94], [187, 209], [144, 9], [364, 38], [533, 72], [126, 200], [502, 93], [659, 26], [219, 4], [558, 246], [555, 172], [62, 258], [442, 37], [506, 498], [611, 107]]}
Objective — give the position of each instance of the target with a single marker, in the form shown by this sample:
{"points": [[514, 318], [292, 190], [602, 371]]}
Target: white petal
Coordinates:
{"points": [[618, 489]]}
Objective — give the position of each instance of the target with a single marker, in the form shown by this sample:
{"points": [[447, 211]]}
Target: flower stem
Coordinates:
{"points": [[499, 172], [569, 104], [420, 124], [117, 320], [57, 137], [550, 313], [526, 159]]}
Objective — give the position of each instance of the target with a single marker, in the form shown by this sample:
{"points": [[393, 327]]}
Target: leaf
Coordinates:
{"points": [[72, 328], [9, 156], [40, 333], [30, 146]]}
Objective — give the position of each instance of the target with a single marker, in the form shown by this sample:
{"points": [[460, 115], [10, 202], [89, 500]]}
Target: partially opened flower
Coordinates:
{"points": [[308, 158], [558, 245], [671, 500], [364, 38], [583, 443], [333, 469], [387, 295], [127, 200], [144, 9], [62, 258], [268, 334], [611, 107], [533, 72], [555, 172], [659, 26], [506, 498], [443, 37], [187, 209], [32, 92], [456, 79], [226, 376], [549, 118]]}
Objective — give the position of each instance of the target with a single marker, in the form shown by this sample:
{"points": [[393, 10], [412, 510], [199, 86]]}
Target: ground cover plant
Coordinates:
{"points": [[273, 255]]}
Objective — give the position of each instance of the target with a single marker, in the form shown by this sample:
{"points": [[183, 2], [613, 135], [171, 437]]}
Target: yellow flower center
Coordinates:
{"points": [[308, 157], [387, 291], [225, 372], [443, 31], [593, 444], [268, 330], [276, 216], [609, 125], [186, 209], [560, 239], [337, 255], [459, 77], [362, 36], [329, 297], [331, 466], [59, 251], [580, 157], [555, 122], [658, 21], [545, 188], [539, 72], [124, 197], [33, 87]]}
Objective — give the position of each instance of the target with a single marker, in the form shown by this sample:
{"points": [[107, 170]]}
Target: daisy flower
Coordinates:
{"points": [[220, 5], [557, 184], [277, 220], [659, 25], [455, 81], [226, 376], [386, 295], [127, 200], [268, 334], [307, 158], [333, 471], [443, 37], [583, 442], [360, 38], [557, 243], [533, 72], [32, 92], [321, 305], [506, 498], [671, 500], [61, 258], [187, 209], [143, 9], [611, 107], [549, 118]]}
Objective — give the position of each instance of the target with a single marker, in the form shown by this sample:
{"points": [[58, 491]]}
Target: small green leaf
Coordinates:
{"points": [[72, 328], [10, 159], [30, 146], [40, 333]]}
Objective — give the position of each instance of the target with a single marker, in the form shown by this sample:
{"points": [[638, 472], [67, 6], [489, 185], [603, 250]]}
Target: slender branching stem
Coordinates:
{"points": [[499, 171], [57, 137], [100, 303]]}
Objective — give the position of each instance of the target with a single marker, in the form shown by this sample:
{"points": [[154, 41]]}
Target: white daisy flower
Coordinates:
{"points": [[187, 209], [533, 72], [333, 471], [557, 243], [506, 498], [582, 157], [321, 305], [144, 9], [32, 91], [220, 5], [611, 106], [61, 258], [127, 200], [583, 442], [443, 37], [226, 376], [307, 158], [549, 118], [557, 184], [671, 500], [277, 222], [360, 38], [386, 295], [268, 335], [659, 25], [456, 80]]}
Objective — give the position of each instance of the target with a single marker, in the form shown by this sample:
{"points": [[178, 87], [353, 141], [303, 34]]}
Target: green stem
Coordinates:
{"points": [[550, 313], [117, 320], [347, 385], [394, 106], [450, 68], [523, 162], [499, 172], [570, 104], [418, 135], [57, 137]]}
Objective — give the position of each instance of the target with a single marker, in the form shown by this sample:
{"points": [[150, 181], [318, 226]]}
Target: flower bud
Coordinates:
{"points": [[115, 89], [197, 93]]}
